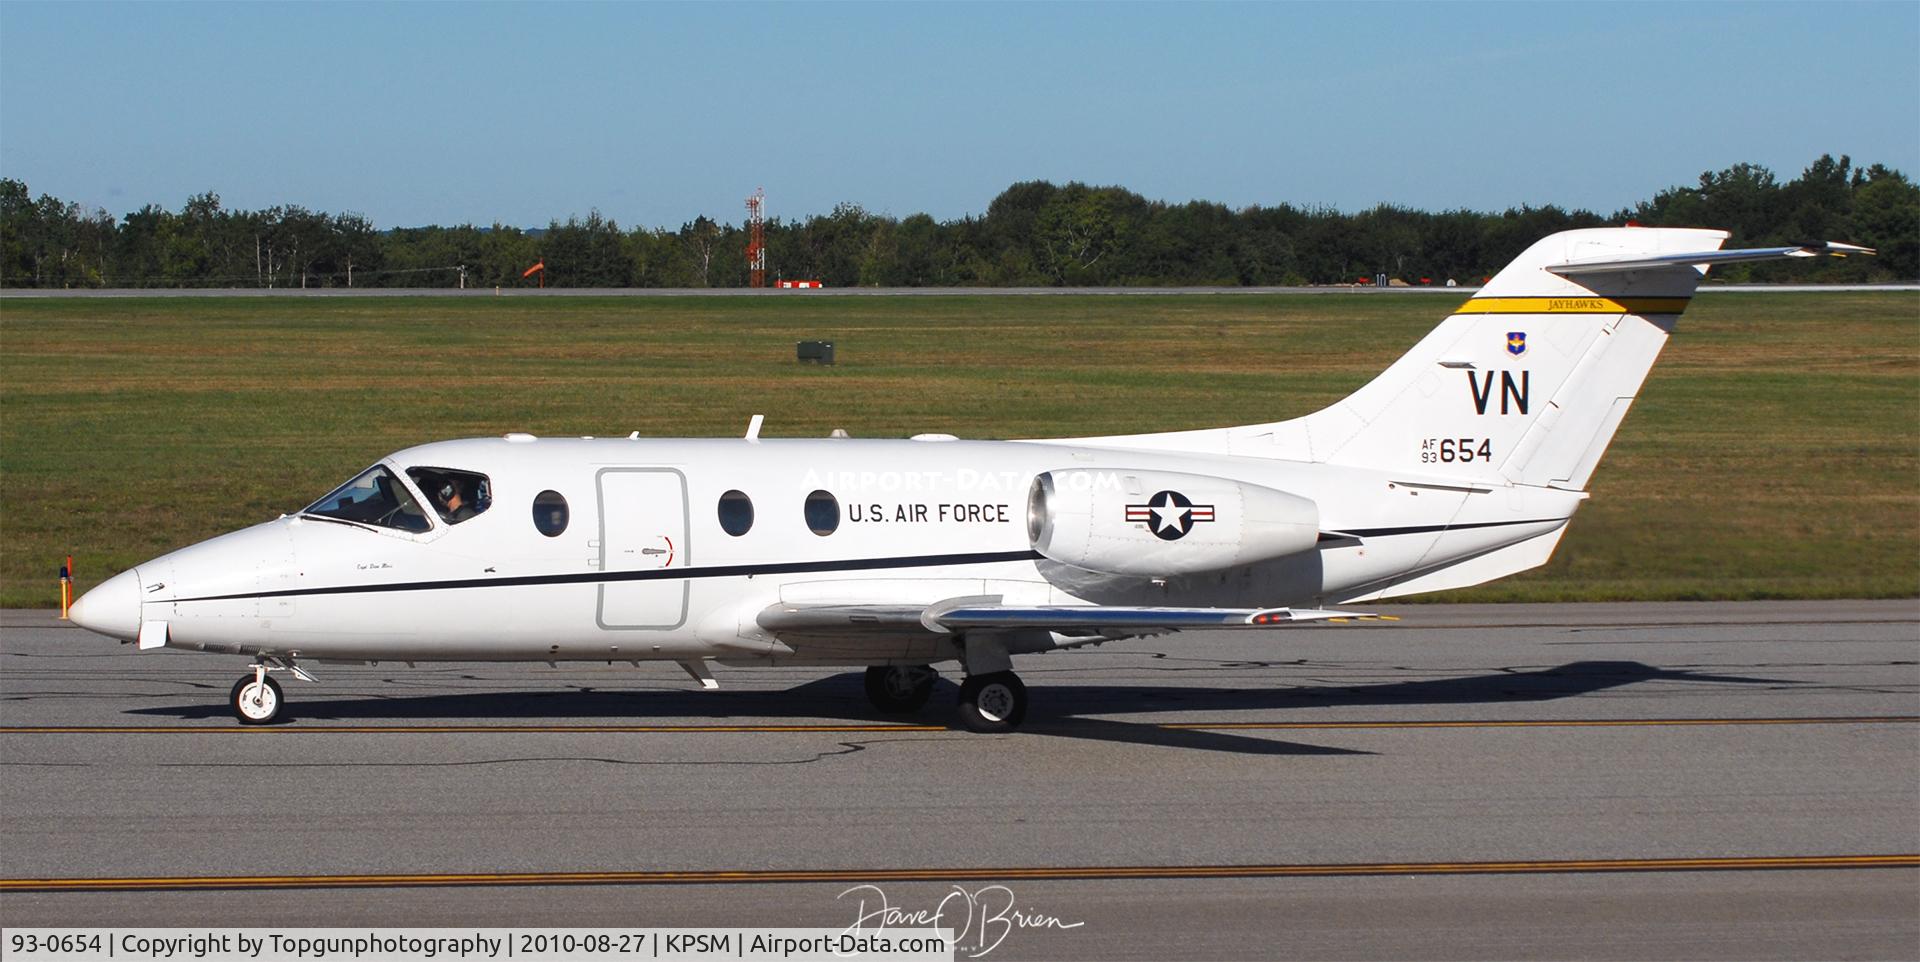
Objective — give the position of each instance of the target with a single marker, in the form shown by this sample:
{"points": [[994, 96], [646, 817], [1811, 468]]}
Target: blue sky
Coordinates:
{"points": [[652, 113]]}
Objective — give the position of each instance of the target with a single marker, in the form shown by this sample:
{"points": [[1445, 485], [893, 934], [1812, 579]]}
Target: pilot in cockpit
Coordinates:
{"points": [[455, 495], [455, 505]]}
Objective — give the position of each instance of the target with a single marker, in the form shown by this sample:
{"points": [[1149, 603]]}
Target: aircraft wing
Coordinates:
{"points": [[1614, 265], [987, 613]]}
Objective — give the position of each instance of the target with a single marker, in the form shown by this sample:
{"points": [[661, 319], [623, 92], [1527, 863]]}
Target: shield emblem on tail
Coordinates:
{"points": [[1516, 343]]}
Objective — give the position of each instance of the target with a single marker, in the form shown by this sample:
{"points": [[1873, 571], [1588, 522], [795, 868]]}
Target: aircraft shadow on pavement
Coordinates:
{"points": [[1499, 686], [1057, 708]]}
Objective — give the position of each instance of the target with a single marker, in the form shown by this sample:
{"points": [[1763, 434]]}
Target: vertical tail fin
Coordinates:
{"points": [[1528, 379], [1526, 382]]}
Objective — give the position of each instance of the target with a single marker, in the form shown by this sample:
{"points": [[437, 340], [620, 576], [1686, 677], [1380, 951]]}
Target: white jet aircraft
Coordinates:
{"points": [[1461, 463]]}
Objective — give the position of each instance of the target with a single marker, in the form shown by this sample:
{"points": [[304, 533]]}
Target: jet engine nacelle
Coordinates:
{"points": [[1163, 523]]}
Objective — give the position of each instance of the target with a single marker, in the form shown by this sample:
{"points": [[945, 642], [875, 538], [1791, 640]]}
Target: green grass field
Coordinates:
{"points": [[1775, 452]]}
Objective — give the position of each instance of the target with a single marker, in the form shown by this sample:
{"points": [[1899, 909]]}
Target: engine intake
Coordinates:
{"points": [[1163, 523]]}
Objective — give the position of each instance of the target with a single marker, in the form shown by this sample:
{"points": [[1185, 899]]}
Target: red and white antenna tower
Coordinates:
{"points": [[757, 238]]}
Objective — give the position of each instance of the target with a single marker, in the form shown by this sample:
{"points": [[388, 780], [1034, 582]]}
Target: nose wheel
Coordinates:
{"points": [[994, 702], [900, 689], [256, 699]]}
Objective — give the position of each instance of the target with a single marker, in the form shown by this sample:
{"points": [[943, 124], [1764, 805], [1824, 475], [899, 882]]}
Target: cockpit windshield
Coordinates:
{"points": [[376, 497]]}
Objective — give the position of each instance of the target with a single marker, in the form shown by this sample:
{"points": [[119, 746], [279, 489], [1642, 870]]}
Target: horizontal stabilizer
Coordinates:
{"points": [[1619, 264]]}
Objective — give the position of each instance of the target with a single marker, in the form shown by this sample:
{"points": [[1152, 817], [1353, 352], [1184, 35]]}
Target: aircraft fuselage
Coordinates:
{"points": [[644, 569]]}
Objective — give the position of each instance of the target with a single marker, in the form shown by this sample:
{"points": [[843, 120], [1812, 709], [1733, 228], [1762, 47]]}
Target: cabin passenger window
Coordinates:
{"points": [[550, 513], [455, 495], [375, 497], [736, 513], [823, 513]]}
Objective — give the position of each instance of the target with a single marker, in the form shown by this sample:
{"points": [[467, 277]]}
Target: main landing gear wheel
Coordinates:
{"points": [[256, 700], [995, 702], [899, 689]]}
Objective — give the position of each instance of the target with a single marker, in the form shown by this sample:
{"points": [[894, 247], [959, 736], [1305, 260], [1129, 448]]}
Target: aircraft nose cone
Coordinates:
{"points": [[111, 608]]}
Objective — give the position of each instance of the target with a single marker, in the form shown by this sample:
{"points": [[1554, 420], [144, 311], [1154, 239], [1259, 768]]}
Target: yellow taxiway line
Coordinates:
{"points": [[1083, 873], [1563, 722], [857, 728]]}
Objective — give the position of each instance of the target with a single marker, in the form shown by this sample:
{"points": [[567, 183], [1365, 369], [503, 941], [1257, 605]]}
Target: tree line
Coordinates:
{"points": [[1034, 234]]}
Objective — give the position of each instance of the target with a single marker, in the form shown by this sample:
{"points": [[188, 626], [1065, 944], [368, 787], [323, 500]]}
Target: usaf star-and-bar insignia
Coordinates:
{"points": [[1169, 515]]}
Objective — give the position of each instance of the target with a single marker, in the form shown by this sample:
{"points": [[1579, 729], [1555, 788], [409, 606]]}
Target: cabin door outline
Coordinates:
{"points": [[643, 527]]}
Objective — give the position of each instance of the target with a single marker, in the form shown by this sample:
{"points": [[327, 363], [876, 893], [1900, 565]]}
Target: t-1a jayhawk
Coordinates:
{"points": [[1463, 462]]}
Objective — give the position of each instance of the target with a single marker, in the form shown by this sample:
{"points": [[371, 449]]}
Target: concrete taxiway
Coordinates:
{"points": [[1529, 781]]}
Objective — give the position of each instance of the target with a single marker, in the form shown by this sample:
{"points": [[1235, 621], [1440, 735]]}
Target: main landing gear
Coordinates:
{"points": [[256, 699], [992, 699], [993, 702], [990, 702], [900, 689]]}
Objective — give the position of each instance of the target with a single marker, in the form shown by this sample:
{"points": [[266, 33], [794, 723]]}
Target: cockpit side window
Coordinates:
{"points": [[375, 497], [455, 495]]}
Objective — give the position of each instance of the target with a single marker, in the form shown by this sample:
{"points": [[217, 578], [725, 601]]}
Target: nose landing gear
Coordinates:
{"points": [[256, 699]]}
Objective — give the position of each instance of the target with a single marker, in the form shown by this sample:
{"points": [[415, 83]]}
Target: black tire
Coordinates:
{"points": [[261, 710], [900, 689], [992, 703]]}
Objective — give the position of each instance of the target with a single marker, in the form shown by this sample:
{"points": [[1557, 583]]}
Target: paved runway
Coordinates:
{"points": [[1533, 781]]}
